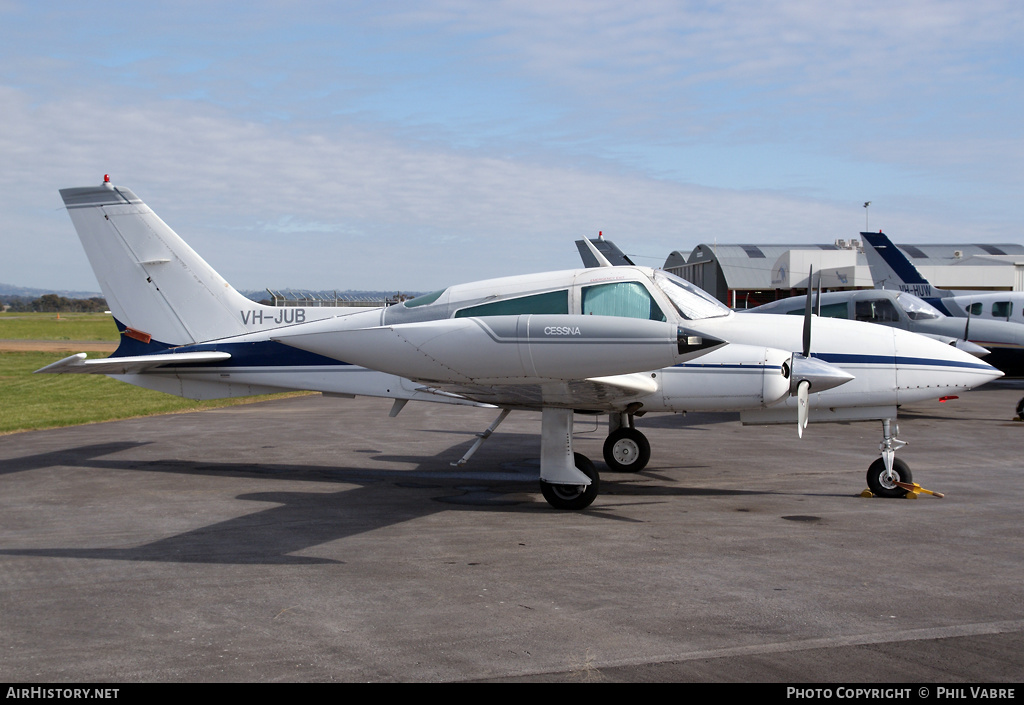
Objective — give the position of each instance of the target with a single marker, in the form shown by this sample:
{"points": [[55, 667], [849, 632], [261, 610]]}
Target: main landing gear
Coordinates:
{"points": [[887, 472], [625, 449], [569, 480], [573, 496]]}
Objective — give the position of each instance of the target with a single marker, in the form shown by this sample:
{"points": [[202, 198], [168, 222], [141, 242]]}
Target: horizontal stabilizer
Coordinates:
{"points": [[128, 365]]}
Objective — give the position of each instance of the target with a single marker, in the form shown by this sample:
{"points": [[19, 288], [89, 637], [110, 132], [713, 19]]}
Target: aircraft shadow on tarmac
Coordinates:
{"points": [[298, 521]]}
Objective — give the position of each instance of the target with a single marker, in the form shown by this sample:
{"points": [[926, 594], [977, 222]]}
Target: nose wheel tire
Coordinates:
{"points": [[627, 450], [882, 486], [573, 496]]}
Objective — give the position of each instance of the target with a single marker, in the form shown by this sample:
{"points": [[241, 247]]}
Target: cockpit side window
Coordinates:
{"points": [[827, 311], [625, 299], [549, 302], [917, 309], [691, 302], [877, 311]]}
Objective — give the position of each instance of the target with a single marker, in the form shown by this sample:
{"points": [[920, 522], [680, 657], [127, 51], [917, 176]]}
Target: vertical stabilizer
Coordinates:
{"points": [[599, 252], [890, 268], [152, 280]]}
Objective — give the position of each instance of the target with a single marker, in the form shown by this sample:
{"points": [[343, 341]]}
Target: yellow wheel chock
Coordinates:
{"points": [[913, 491], [917, 489]]}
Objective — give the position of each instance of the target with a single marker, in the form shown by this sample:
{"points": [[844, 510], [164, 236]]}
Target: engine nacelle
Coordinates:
{"points": [[505, 349], [728, 378]]}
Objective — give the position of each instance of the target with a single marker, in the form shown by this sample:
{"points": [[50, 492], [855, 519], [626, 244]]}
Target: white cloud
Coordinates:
{"points": [[377, 213], [414, 145]]}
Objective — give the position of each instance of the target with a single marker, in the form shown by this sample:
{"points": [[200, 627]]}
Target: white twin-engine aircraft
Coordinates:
{"points": [[621, 341]]}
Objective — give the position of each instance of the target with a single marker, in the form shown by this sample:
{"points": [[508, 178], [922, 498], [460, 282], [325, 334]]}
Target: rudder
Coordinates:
{"points": [[152, 280]]}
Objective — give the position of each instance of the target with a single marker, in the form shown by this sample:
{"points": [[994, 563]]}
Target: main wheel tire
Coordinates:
{"points": [[627, 450], [1020, 409], [573, 496], [880, 486]]}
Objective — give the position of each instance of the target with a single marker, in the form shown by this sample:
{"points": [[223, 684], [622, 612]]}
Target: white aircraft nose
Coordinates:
{"points": [[926, 368]]}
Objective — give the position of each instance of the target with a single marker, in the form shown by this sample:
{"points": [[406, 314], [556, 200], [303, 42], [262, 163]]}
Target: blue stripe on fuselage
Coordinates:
{"points": [[724, 366], [263, 353], [898, 360], [851, 359]]}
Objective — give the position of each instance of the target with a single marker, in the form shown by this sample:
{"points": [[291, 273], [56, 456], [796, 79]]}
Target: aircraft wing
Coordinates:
{"points": [[128, 365], [591, 393]]}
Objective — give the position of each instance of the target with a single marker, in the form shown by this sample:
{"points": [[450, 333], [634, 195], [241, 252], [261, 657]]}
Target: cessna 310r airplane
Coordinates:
{"points": [[619, 341]]}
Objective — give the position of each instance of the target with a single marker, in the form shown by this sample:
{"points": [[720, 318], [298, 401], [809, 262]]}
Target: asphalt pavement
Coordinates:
{"points": [[315, 539]]}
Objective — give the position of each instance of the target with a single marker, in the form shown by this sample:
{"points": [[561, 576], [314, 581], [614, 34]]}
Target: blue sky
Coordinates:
{"points": [[412, 145]]}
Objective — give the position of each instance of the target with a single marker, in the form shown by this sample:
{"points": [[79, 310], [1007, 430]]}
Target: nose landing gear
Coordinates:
{"points": [[887, 473]]}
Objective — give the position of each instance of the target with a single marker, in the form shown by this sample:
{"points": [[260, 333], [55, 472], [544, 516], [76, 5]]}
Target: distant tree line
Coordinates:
{"points": [[52, 303]]}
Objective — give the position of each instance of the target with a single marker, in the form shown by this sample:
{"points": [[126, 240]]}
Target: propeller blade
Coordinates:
{"points": [[817, 298], [801, 409], [807, 314]]}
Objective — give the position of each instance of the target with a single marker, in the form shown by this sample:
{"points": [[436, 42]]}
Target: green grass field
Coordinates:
{"points": [[29, 401], [54, 326]]}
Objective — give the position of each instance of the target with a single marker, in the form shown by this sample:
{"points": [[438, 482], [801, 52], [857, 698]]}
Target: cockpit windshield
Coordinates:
{"points": [[917, 309], [691, 302]]}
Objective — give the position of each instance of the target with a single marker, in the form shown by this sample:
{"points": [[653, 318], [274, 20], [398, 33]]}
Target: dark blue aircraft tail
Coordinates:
{"points": [[890, 268]]}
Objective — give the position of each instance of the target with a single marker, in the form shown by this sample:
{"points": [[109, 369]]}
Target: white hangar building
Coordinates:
{"points": [[744, 276]]}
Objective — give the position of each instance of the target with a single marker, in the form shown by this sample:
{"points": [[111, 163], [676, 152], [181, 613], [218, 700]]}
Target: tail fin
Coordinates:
{"points": [[153, 281], [606, 249], [890, 268]]}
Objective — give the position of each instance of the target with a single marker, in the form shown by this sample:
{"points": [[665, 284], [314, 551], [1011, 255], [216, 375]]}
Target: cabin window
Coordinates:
{"points": [[624, 299], [827, 311], [549, 302], [974, 309], [1002, 309], [877, 311]]}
